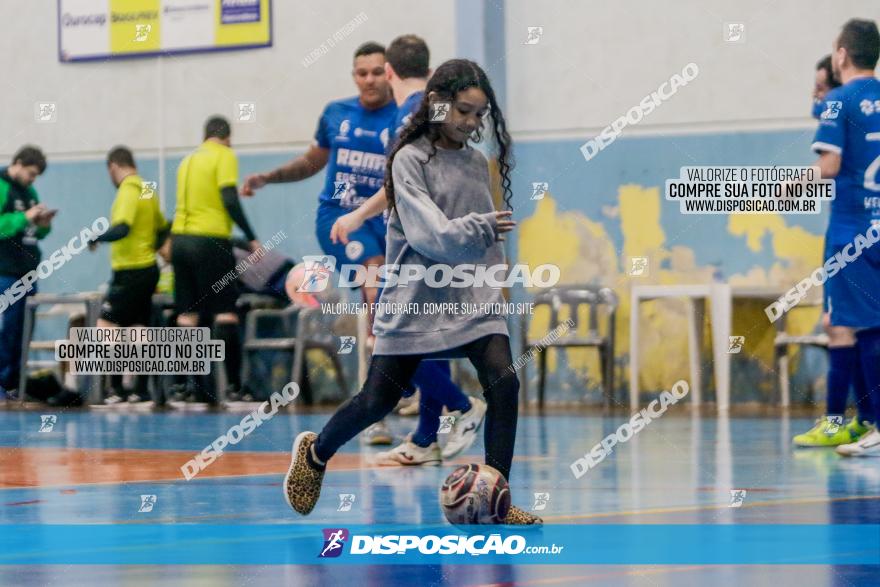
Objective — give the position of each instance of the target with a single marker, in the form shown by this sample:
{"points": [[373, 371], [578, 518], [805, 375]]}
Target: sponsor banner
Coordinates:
{"points": [[104, 29], [335, 543]]}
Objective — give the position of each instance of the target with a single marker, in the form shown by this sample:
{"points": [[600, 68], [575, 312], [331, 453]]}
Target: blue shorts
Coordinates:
{"points": [[366, 242], [852, 296]]}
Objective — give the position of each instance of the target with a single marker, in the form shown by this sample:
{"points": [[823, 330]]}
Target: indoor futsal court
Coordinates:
{"points": [[453, 293]]}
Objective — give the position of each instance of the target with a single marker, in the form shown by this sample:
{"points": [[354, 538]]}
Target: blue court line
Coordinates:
{"points": [[710, 506], [642, 544]]}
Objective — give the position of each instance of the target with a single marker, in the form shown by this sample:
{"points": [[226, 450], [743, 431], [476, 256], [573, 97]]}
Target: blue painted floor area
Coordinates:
{"points": [[679, 470]]}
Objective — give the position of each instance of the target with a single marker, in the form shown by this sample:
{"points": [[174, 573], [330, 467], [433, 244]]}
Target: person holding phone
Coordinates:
{"points": [[24, 221]]}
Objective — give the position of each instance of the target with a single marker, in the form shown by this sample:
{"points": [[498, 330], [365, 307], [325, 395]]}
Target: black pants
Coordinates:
{"points": [[389, 376], [203, 275], [129, 299]]}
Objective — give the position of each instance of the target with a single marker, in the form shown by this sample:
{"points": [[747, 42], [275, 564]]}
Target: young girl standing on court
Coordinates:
{"points": [[442, 213]]}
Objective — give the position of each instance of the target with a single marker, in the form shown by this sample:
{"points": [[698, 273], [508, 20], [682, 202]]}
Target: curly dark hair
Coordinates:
{"points": [[448, 80]]}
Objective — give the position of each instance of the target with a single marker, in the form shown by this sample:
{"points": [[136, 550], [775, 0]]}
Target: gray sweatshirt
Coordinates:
{"points": [[444, 215]]}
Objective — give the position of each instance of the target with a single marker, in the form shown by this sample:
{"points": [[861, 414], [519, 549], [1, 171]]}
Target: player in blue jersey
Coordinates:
{"points": [[406, 64], [845, 369], [848, 143], [352, 139]]}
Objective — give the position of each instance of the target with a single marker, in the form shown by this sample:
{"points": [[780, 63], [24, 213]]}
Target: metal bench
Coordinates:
{"points": [[75, 304], [304, 330], [781, 345]]}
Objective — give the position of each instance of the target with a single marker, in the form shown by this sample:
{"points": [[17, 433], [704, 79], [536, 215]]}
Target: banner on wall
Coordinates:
{"points": [[111, 29]]}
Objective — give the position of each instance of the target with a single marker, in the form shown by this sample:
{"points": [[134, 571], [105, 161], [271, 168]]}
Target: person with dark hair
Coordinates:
{"points": [[839, 378], [201, 249], [439, 189], [366, 244], [848, 144], [824, 83], [407, 67], [350, 141], [23, 222], [136, 227]]}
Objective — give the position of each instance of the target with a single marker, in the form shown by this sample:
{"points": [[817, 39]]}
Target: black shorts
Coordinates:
{"points": [[204, 278], [129, 300]]}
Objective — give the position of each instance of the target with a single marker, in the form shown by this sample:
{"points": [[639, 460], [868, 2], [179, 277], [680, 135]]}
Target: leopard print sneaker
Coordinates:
{"points": [[517, 517], [302, 484]]}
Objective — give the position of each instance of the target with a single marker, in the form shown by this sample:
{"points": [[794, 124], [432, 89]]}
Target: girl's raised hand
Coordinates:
{"points": [[503, 223]]}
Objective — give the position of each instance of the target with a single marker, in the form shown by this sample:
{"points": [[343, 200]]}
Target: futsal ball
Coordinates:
{"points": [[475, 494]]}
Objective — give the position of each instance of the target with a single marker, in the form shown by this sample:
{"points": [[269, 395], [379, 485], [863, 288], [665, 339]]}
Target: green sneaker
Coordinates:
{"points": [[830, 431], [858, 429]]}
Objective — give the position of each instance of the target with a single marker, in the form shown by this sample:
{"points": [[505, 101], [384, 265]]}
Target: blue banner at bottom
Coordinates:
{"points": [[285, 544]]}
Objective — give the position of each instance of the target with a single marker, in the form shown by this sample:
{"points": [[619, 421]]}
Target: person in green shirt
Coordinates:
{"points": [[201, 248], [23, 222], [136, 226]]}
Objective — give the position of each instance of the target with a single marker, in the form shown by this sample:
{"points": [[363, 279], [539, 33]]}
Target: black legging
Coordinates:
{"points": [[389, 376]]}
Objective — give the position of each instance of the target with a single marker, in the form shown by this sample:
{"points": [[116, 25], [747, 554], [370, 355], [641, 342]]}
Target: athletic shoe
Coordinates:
{"points": [[378, 434], [136, 398], [829, 433], [409, 406], [114, 397], [239, 394], [518, 517], [858, 429], [410, 453], [302, 484], [465, 428], [177, 392], [867, 446], [200, 395]]}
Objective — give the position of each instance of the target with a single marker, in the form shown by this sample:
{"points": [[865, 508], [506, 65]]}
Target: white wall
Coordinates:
{"points": [[597, 59], [105, 103]]}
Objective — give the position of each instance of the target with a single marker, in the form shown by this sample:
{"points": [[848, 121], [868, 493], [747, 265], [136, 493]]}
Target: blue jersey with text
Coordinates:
{"points": [[357, 139], [850, 125]]}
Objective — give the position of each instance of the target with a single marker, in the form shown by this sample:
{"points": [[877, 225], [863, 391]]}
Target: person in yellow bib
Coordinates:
{"points": [[201, 248], [136, 225]]}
